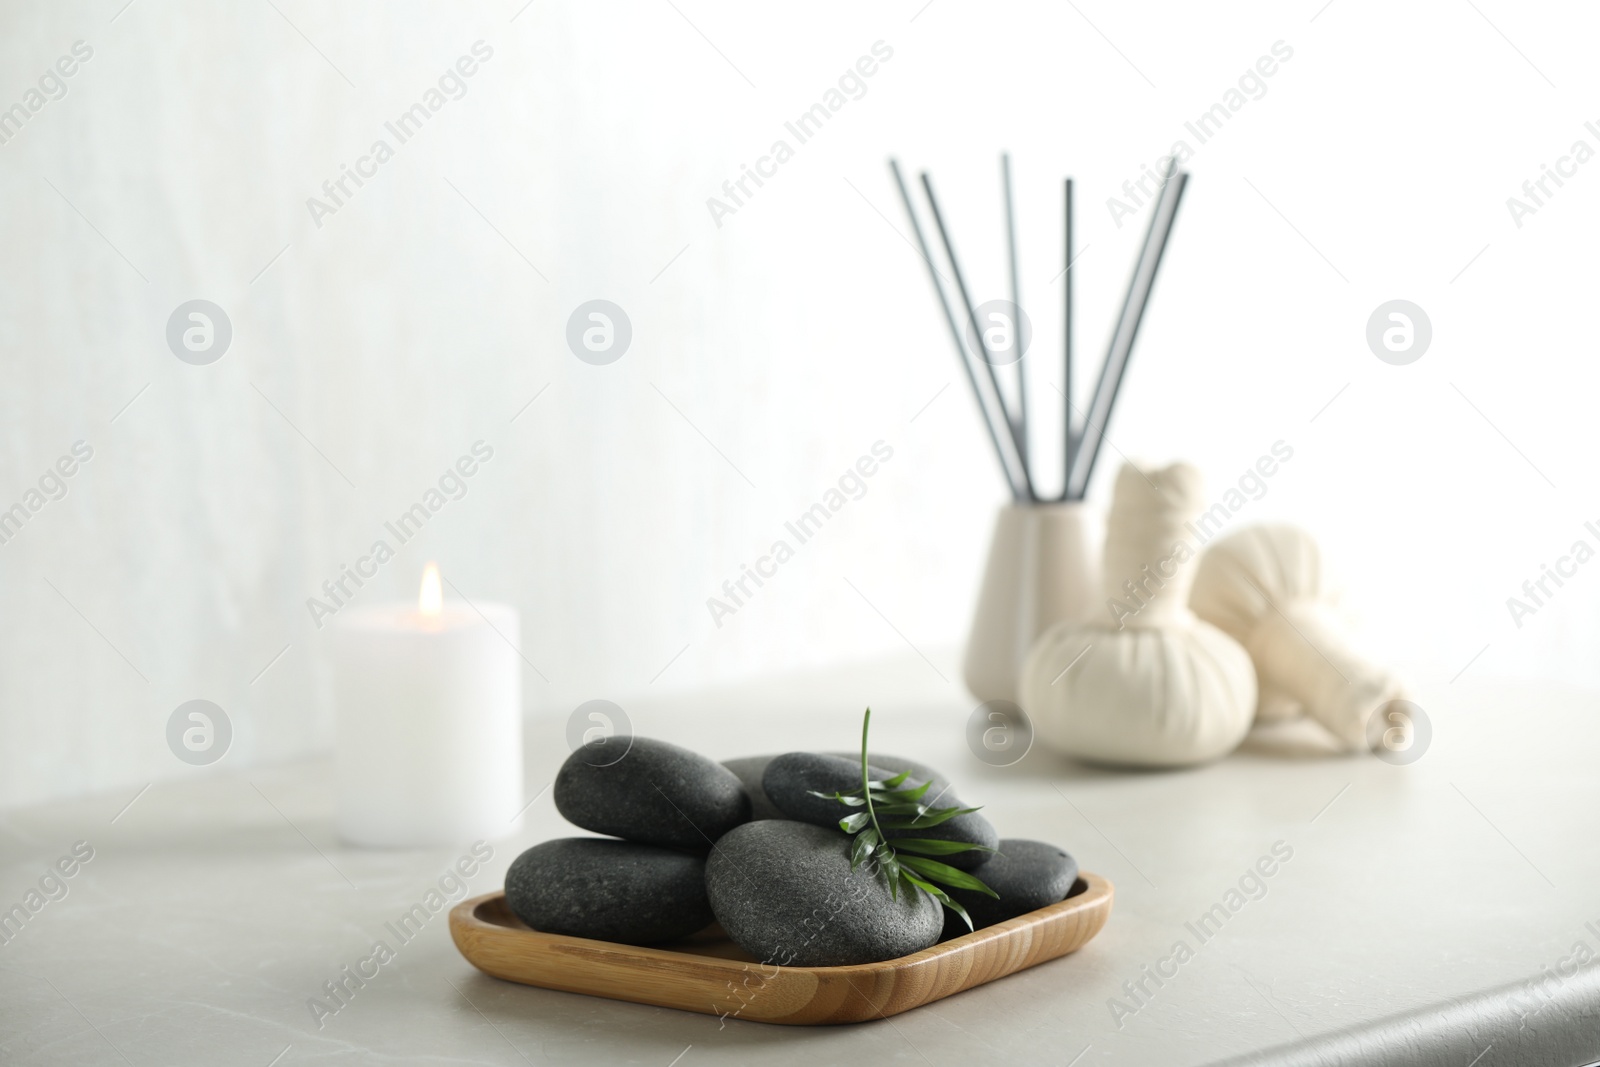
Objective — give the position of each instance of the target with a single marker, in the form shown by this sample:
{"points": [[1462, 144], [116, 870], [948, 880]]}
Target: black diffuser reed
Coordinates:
{"points": [[1008, 429]]}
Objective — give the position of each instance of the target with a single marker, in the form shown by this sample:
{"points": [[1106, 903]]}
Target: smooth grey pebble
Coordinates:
{"points": [[657, 794], [785, 893], [790, 779], [609, 890], [1028, 875]]}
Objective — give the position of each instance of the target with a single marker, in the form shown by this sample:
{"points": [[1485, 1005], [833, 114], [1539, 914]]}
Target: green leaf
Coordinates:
{"points": [[890, 783], [901, 794], [843, 798], [864, 844], [851, 823], [898, 808], [942, 897], [937, 816], [931, 847], [946, 874], [890, 806]]}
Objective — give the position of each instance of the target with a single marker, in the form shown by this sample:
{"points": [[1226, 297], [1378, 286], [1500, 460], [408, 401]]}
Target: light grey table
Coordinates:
{"points": [[218, 904]]}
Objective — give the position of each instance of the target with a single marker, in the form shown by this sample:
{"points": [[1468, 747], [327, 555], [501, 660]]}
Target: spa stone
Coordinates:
{"points": [[785, 893], [790, 778], [609, 890], [893, 765], [657, 794], [751, 768], [1028, 875]]}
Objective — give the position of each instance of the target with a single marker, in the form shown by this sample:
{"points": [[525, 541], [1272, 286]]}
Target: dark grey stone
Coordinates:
{"points": [[609, 890], [1028, 875], [893, 765], [749, 770], [790, 778], [785, 893], [658, 794], [972, 828]]}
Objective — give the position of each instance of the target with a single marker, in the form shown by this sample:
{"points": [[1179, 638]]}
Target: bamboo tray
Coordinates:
{"points": [[710, 974]]}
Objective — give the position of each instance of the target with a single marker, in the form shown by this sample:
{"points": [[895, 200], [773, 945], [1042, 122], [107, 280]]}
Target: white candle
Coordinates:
{"points": [[429, 712]]}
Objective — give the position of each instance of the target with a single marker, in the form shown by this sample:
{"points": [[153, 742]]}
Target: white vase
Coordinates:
{"points": [[1044, 568]]}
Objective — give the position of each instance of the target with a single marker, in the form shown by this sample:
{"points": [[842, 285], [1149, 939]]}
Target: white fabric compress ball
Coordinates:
{"points": [[1266, 586], [1146, 683]]}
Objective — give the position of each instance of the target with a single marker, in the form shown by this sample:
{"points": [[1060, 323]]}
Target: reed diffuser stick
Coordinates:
{"points": [[1023, 443], [1009, 432], [1012, 481], [972, 317], [1069, 442], [1077, 477], [1112, 373]]}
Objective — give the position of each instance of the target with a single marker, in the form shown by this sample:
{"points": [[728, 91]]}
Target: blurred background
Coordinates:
{"points": [[375, 343]]}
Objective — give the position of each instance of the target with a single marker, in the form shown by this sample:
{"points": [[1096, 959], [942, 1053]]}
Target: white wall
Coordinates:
{"points": [[793, 336]]}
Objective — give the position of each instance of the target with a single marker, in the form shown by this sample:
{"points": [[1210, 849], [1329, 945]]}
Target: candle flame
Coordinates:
{"points": [[430, 601]]}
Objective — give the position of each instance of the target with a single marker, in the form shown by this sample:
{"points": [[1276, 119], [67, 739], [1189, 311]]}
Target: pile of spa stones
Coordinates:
{"points": [[746, 844]]}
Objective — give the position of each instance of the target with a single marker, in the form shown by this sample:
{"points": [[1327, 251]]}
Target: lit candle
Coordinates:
{"points": [[429, 712]]}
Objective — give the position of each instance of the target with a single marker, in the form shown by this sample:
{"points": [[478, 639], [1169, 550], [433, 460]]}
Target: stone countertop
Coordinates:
{"points": [[217, 904]]}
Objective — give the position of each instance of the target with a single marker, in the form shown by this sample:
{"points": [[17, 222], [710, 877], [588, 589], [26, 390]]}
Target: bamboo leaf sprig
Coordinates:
{"points": [[891, 805]]}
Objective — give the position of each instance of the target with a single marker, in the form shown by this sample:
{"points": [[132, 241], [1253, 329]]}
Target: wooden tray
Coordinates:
{"points": [[709, 973]]}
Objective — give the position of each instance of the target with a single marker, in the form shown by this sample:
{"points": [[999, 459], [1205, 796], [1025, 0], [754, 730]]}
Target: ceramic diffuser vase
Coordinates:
{"points": [[1044, 568], [1044, 559]]}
